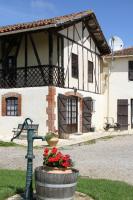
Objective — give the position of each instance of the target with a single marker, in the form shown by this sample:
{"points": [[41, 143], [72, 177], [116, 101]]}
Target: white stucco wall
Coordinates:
{"points": [[34, 105], [119, 86]]}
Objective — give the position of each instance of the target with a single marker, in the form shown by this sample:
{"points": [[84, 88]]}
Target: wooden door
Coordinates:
{"points": [[87, 114], [122, 113], [62, 109]]}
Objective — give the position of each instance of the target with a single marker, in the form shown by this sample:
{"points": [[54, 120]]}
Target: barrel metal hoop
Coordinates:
{"points": [[56, 185], [45, 198]]}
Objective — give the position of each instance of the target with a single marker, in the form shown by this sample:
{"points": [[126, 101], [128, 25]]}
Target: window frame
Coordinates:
{"points": [[75, 67], [4, 106], [90, 64]]}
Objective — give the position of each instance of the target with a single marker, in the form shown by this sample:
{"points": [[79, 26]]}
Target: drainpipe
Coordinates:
{"points": [[108, 86], [108, 94]]}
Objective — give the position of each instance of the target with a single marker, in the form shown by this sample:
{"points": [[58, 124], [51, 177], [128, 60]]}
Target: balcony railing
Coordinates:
{"points": [[44, 75]]}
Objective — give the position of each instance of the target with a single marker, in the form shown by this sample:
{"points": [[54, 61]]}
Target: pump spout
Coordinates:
{"points": [[39, 137]]}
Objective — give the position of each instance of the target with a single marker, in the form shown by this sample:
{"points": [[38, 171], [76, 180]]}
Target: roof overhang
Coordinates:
{"points": [[62, 22]]}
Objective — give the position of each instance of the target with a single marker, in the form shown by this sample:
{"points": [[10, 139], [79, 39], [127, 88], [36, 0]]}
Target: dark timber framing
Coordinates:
{"points": [[68, 58], [36, 55], [50, 47], [62, 52], [82, 40], [66, 37], [28, 37], [26, 56], [95, 56]]}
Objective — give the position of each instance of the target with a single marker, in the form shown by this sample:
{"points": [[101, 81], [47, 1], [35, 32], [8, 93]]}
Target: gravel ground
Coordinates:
{"points": [[110, 159]]}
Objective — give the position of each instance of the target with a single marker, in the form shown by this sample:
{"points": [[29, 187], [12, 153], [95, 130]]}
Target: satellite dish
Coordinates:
{"points": [[116, 43]]}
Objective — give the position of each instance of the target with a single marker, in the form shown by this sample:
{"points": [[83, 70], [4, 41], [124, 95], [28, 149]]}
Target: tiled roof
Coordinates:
{"points": [[124, 52], [58, 22], [44, 22]]}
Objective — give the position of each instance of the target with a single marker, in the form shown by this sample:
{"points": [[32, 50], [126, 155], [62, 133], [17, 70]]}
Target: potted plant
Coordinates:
{"points": [[52, 138], [57, 178]]}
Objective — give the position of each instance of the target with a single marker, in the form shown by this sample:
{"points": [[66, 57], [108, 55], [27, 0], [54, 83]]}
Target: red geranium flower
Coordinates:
{"points": [[53, 158], [46, 150], [65, 164], [54, 150]]}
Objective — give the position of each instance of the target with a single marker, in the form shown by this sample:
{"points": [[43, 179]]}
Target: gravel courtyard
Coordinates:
{"points": [[110, 159]]}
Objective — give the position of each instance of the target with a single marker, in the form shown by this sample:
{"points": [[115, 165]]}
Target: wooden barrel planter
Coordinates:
{"points": [[55, 186]]}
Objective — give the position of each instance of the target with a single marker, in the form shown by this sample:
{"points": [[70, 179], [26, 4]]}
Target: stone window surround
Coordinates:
{"points": [[3, 105]]}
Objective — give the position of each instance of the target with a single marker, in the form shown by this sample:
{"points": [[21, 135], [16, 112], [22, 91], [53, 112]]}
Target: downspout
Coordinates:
{"points": [[108, 87]]}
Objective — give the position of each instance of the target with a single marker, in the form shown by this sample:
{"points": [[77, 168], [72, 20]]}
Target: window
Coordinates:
{"points": [[130, 70], [90, 71], [12, 106], [71, 114], [74, 65]]}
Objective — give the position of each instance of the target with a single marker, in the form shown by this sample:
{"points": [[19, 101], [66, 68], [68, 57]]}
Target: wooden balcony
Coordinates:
{"points": [[33, 76]]}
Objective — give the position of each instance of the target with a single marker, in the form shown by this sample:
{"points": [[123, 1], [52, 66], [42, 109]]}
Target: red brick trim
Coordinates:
{"points": [[80, 98], [7, 95], [50, 110]]}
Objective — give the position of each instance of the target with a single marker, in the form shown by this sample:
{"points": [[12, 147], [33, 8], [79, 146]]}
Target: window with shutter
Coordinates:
{"points": [[74, 65], [130, 70], [122, 113], [90, 71]]}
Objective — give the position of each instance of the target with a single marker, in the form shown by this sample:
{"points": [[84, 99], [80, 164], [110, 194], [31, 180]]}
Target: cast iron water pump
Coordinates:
{"points": [[31, 136]]}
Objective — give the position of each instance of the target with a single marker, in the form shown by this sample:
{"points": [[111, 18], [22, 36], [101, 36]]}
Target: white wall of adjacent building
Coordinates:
{"points": [[120, 87]]}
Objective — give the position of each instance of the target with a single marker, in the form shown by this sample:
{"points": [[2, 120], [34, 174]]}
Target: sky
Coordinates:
{"points": [[115, 16]]}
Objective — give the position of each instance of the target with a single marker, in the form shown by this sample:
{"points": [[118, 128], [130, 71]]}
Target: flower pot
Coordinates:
{"points": [[53, 141], [51, 185]]}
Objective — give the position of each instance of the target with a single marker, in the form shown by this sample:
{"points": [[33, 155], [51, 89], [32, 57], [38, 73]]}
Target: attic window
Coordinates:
{"points": [[130, 70]]}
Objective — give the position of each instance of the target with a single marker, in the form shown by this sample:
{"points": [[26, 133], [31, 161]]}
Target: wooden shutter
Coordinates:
{"points": [[122, 113], [74, 65], [130, 70], [90, 71], [87, 114], [62, 106]]}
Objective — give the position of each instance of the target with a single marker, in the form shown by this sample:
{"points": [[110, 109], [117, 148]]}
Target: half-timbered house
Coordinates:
{"points": [[50, 71]]}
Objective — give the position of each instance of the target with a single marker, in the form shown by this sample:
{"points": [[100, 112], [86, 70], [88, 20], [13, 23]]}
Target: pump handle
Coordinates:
{"points": [[25, 124]]}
